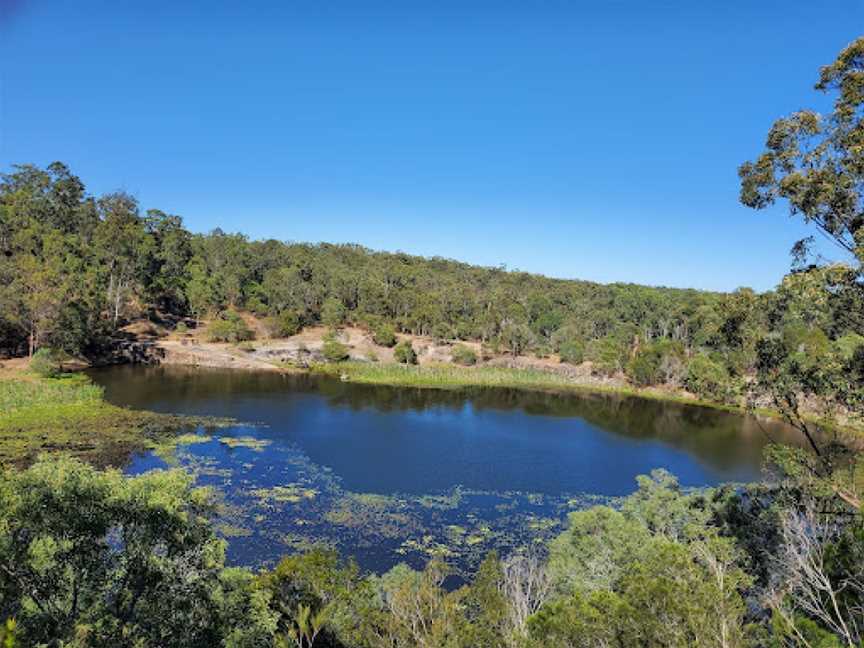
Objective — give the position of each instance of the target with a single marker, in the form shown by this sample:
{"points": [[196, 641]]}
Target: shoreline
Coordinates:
{"points": [[300, 354], [423, 377], [438, 375]]}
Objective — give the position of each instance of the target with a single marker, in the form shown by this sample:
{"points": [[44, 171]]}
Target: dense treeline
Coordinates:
{"points": [[74, 268]]}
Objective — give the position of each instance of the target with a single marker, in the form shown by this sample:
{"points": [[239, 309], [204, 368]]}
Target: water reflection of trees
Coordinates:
{"points": [[721, 438]]}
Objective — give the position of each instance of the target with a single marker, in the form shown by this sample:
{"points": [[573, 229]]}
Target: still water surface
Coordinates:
{"points": [[390, 474]]}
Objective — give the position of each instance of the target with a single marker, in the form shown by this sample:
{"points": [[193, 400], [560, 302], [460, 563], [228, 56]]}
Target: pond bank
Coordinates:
{"points": [[69, 414], [301, 354]]}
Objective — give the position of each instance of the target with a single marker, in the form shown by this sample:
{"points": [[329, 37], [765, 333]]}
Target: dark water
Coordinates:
{"points": [[403, 474]]}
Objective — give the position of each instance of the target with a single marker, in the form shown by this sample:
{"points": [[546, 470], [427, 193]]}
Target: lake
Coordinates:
{"points": [[389, 474]]}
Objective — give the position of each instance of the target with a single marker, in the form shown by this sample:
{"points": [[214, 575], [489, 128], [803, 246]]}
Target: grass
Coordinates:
{"points": [[29, 392], [446, 376], [455, 377], [69, 414], [443, 376]]}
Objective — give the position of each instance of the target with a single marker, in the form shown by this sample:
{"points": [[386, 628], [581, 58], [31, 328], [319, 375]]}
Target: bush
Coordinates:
{"points": [[644, 368], [332, 312], [230, 327], [516, 337], [257, 306], [607, 355], [848, 345], [655, 363], [404, 353], [708, 379], [172, 576], [384, 335], [465, 330], [285, 324], [334, 351], [572, 351], [463, 355], [542, 351], [489, 350], [181, 328], [45, 363], [441, 332]]}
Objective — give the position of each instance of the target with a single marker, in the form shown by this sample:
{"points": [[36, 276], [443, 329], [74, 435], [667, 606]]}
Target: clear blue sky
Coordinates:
{"points": [[594, 140]]}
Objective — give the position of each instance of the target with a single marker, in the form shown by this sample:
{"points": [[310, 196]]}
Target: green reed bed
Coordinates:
{"points": [[445, 376], [31, 392], [69, 414]]}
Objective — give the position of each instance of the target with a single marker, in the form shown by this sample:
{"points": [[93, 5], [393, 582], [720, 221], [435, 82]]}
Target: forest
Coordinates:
{"points": [[75, 268], [95, 558]]}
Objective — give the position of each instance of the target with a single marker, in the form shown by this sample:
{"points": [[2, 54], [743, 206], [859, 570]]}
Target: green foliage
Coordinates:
{"points": [[143, 567], [572, 351], [23, 394], [708, 379], [463, 355], [815, 162], [384, 335], [334, 351], [654, 573], [657, 362], [285, 324], [7, 634], [73, 268], [230, 327], [332, 312], [404, 353], [143, 551], [848, 345], [515, 337], [607, 355], [44, 363]]}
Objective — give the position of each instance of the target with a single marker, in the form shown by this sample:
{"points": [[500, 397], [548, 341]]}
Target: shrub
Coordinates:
{"points": [[334, 351], [708, 379], [516, 337], [247, 346], [465, 330], [606, 354], [404, 353], [257, 306], [542, 351], [45, 363], [489, 350], [441, 332], [463, 355], [847, 345], [644, 368], [230, 327], [172, 576], [332, 312], [572, 351], [285, 324], [655, 363], [807, 345], [181, 328], [384, 335]]}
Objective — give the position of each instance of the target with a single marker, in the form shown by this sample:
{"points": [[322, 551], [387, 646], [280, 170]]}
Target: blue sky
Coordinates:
{"points": [[594, 140]]}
